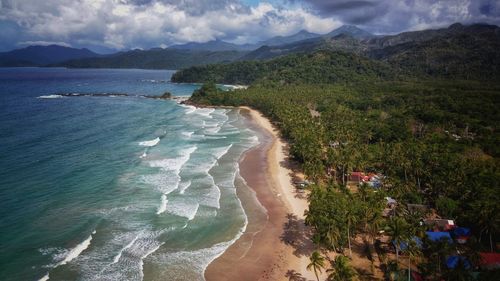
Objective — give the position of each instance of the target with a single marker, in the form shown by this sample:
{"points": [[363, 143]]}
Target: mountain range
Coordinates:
{"points": [[43, 55], [175, 56], [465, 51]]}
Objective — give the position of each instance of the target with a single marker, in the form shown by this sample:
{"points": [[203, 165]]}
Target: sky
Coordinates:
{"points": [[112, 25]]}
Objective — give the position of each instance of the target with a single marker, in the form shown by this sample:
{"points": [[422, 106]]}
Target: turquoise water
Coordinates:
{"points": [[113, 188]]}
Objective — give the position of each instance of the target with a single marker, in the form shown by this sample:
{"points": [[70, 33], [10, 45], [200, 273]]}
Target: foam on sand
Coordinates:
{"points": [[141, 263], [50, 97], [150, 143]]}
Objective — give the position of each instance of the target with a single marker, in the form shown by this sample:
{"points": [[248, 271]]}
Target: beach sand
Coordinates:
{"points": [[276, 244]]}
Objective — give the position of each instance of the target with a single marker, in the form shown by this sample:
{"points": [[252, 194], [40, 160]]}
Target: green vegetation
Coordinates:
{"points": [[433, 142], [319, 67]]}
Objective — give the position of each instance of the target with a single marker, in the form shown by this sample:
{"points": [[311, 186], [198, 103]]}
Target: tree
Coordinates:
{"points": [[341, 270], [487, 217], [397, 229], [413, 250], [317, 262]]}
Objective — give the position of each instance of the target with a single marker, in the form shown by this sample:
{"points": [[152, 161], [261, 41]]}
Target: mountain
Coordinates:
{"points": [[458, 52], [350, 30], [214, 46], [346, 38], [157, 58], [282, 40], [42, 55], [341, 42]]}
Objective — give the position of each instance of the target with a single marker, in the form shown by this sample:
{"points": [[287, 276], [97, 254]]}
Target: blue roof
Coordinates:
{"points": [[403, 245], [461, 231], [436, 236], [452, 262]]}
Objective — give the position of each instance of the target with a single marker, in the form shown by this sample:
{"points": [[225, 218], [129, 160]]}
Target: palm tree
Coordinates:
{"points": [[333, 237], [413, 250], [350, 218], [317, 263], [397, 229], [487, 217], [341, 270]]}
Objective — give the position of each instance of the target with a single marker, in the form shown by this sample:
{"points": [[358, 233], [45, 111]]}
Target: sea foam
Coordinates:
{"points": [[150, 143], [119, 255], [163, 204], [50, 97]]}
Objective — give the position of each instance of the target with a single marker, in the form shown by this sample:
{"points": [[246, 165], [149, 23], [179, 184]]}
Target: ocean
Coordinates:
{"points": [[114, 187]]}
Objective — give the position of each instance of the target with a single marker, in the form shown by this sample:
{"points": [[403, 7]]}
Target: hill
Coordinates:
{"points": [[155, 59], [319, 67], [465, 52], [42, 55]]}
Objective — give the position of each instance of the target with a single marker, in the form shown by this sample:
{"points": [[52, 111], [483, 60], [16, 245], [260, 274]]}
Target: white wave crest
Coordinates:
{"points": [[72, 254], [183, 186], [183, 207], [150, 143], [169, 180], [174, 164], [187, 134], [118, 256], [50, 97], [221, 151], [189, 109], [163, 204], [205, 111]]}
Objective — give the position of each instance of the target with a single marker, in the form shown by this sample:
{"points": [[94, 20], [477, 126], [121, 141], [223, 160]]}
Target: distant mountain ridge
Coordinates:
{"points": [[43, 55], [214, 46], [281, 40], [156, 58], [460, 51], [350, 30]]}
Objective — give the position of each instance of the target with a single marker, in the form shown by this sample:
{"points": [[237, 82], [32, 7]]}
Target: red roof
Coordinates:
{"points": [[490, 259]]}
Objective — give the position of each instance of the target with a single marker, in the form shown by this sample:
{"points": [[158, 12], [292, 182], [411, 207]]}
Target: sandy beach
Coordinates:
{"points": [[276, 244]]}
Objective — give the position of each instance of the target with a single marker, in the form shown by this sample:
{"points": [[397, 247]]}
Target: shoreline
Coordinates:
{"points": [[275, 244]]}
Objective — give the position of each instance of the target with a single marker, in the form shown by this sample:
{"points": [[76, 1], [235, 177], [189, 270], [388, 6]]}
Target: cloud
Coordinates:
{"points": [[389, 16], [122, 24], [42, 43]]}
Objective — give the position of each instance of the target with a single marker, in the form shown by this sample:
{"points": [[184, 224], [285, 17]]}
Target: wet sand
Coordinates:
{"points": [[276, 244]]}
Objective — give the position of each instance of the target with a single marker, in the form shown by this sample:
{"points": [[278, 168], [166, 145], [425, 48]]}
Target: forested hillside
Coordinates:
{"points": [[319, 67]]}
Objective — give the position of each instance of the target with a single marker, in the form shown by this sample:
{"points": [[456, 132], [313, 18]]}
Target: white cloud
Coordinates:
{"points": [[42, 43], [122, 24]]}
